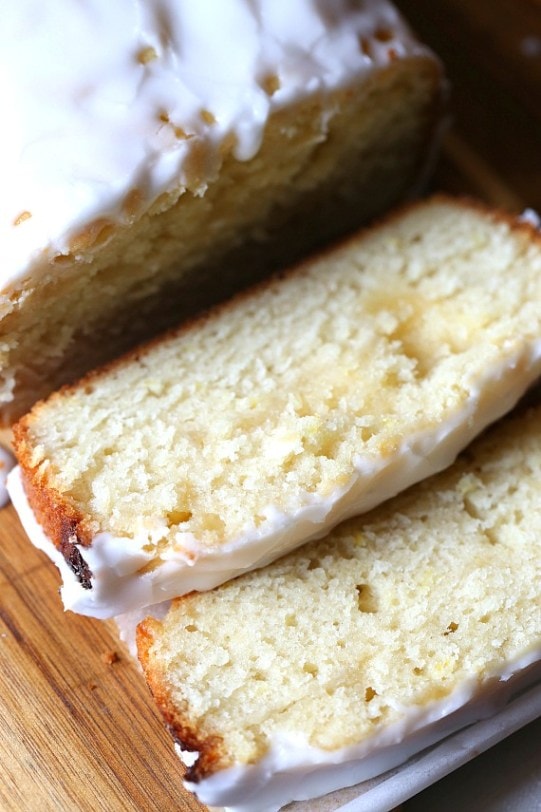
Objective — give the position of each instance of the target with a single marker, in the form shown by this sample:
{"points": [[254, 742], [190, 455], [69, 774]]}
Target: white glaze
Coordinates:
{"points": [[7, 462], [294, 770], [532, 217], [87, 86], [118, 586]]}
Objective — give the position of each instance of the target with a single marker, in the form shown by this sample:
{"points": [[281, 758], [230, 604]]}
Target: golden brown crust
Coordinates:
{"points": [[62, 524], [212, 756]]}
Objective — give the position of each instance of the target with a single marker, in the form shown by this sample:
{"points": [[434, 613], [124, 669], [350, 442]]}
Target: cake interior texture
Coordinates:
{"points": [[343, 638], [325, 165], [267, 404]]}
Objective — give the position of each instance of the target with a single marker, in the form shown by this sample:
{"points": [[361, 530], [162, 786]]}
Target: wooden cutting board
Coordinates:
{"points": [[79, 731], [78, 728]]}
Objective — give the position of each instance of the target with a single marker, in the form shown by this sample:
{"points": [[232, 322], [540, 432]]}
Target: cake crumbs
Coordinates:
{"points": [[110, 657], [452, 627], [24, 215], [208, 117], [147, 55]]}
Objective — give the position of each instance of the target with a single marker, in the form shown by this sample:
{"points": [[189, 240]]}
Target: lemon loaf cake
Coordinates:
{"points": [[147, 140], [356, 651], [225, 444]]}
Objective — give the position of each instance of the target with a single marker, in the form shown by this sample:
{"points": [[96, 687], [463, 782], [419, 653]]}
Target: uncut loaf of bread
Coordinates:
{"points": [[224, 445], [357, 651], [148, 140]]}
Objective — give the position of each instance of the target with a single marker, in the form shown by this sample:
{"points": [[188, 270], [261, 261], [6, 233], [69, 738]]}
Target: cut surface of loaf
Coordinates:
{"points": [[307, 400], [142, 159], [342, 659]]}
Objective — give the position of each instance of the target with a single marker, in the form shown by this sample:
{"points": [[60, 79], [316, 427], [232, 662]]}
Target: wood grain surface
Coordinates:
{"points": [[79, 731]]}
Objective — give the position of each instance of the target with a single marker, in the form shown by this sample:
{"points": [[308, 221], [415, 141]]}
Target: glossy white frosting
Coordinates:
{"points": [[119, 585], [103, 97], [7, 462], [294, 770]]}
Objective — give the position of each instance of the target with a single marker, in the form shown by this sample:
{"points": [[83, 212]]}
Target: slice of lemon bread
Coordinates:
{"points": [[342, 659], [312, 398], [146, 141]]}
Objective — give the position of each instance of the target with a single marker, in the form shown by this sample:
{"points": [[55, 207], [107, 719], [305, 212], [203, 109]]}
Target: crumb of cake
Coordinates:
{"points": [[270, 84], [182, 134], [452, 627], [147, 55], [208, 117], [369, 694], [24, 215], [109, 657], [179, 132]]}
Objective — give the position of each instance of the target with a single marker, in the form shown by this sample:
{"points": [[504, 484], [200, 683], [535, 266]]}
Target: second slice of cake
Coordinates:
{"points": [[228, 443], [345, 658]]}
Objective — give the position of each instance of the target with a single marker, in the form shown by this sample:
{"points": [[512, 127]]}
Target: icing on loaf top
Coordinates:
{"points": [[112, 104]]}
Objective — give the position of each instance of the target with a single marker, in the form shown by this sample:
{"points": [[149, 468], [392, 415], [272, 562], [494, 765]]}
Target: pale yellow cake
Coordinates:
{"points": [[159, 156], [227, 443], [343, 658]]}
